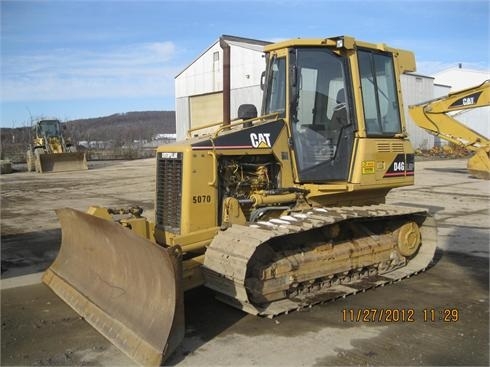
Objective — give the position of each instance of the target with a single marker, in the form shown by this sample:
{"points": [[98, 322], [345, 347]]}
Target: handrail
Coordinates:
{"points": [[236, 122]]}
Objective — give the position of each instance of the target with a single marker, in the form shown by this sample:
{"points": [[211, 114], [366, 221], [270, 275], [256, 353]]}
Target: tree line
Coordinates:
{"points": [[119, 129]]}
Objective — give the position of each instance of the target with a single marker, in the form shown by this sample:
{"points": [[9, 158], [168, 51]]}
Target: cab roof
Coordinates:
{"points": [[406, 59]]}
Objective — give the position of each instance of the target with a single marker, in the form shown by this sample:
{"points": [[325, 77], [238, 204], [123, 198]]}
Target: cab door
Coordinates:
{"points": [[321, 126]]}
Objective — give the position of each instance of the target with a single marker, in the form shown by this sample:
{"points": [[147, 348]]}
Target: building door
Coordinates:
{"points": [[206, 109]]}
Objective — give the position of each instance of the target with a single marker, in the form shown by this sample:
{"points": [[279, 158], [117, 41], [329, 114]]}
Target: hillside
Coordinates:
{"points": [[119, 129], [123, 128]]}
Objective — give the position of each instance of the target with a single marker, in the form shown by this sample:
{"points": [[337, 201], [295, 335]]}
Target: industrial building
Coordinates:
{"points": [[199, 89], [418, 88]]}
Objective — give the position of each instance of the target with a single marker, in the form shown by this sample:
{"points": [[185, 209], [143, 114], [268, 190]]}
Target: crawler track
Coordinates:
{"points": [[296, 261]]}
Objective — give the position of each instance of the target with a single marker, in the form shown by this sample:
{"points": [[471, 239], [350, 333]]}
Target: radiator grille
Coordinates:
{"points": [[169, 193]]}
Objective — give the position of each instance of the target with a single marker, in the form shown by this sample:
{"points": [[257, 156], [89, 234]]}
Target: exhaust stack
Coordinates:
{"points": [[226, 80]]}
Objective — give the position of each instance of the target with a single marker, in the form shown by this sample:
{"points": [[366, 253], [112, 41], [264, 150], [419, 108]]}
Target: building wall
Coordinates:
{"points": [[441, 90], [205, 76], [417, 89], [181, 117], [246, 67], [246, 95]]}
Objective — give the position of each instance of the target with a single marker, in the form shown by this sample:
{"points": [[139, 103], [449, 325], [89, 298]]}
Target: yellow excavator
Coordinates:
{"points": [[50, 151], [435, 117], [274, 212]]}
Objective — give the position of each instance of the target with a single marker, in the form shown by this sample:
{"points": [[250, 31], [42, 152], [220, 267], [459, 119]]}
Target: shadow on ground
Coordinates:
{"points": [[27, 253], [205, 318], [460, 171]]}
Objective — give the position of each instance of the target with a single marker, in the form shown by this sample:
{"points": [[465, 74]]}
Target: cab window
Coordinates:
{"points": [[276, 96], [379, 94]]}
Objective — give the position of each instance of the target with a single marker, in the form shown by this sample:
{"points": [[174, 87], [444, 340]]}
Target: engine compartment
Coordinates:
{"points": [[240, 177]]}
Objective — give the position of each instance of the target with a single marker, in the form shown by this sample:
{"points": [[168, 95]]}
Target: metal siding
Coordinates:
{"points": [[441, 90], [246, 67], [248, 95], [200, 78], [182, 117], [417, 89], [246, 70]]}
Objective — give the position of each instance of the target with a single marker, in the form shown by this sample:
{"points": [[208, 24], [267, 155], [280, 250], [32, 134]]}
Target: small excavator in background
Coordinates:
{"points": [[50, 151], [435, 117], [274, 212]]}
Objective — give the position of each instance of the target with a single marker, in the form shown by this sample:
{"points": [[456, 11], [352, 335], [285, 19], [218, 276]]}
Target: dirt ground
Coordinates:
{"points": [[39, 329]]}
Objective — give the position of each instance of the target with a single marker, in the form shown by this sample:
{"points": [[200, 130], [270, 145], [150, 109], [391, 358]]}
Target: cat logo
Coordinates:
{"points": [[468, 100], [260, 140]]}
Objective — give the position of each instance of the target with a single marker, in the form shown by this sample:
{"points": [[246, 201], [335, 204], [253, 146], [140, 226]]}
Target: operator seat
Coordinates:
{"points": [[339, 116]]}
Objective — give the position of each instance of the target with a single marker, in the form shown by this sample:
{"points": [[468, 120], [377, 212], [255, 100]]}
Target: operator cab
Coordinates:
{"points": [[48, 128], [320, 112]]}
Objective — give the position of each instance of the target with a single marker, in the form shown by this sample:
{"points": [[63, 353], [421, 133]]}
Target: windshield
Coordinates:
{"points": [[319, 110], [49, 128]]}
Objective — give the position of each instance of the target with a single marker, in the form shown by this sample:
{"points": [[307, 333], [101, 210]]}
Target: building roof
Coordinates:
{"points": [[461, 78], [419, 75], [248, 43], [244, 42], [461, 69]]}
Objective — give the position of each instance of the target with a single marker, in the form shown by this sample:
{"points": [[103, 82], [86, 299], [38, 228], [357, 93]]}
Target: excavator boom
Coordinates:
{"points": [[434, 116]]}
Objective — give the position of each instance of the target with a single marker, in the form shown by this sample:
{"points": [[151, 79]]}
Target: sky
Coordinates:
{"points": [[82, 59]]}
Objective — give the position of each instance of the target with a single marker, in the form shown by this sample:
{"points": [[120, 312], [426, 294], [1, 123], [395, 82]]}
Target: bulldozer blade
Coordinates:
{"points": [[125, 286], [60, 162]]}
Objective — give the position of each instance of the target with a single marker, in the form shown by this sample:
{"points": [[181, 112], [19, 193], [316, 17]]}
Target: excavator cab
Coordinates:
{"points": [[274, 213]]}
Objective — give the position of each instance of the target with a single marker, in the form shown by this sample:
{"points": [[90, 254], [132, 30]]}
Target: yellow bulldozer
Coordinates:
{"points": [[274, 212], [50, 151], [438, 117]]}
